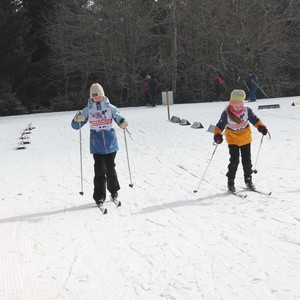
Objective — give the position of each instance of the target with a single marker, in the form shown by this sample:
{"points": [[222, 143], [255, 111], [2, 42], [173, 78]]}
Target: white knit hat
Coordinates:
{"points": [[96, 90]]}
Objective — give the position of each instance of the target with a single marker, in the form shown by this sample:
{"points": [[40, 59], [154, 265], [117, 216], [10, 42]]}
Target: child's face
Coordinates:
{"points": [[98, 99], [238, 106]]}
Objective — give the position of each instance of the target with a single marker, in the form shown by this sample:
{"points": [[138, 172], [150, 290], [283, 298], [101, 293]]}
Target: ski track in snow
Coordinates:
{"points": [[164, 242]]}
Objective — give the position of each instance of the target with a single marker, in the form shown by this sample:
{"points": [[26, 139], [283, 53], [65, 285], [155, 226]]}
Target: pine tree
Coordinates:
{"points": [[13, 51], [9, 103]]}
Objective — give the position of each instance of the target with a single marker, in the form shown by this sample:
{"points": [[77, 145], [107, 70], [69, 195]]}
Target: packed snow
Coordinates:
{"points": [[165, 241]]}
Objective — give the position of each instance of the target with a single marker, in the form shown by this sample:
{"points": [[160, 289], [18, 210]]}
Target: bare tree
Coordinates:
{"points": [[185, 44]]}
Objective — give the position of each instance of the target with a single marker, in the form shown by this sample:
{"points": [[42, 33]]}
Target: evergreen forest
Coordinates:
{"points": [[51, 51]]}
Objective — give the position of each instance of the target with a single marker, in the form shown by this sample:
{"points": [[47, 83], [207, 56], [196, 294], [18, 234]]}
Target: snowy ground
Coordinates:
{"points": [[165, 242]]}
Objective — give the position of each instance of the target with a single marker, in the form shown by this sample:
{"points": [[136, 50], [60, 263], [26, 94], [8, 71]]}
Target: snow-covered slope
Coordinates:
{"points": [[165, 242]]}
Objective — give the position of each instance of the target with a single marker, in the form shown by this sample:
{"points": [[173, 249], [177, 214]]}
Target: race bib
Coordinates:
{"points": [[100, 119]]}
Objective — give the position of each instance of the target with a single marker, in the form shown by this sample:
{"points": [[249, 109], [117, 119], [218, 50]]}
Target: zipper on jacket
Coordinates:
{"points": [[104, 141], [94, 141]]}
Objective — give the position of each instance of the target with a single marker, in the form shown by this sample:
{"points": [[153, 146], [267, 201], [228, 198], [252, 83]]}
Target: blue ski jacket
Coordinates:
{"points": [[100, 115]]}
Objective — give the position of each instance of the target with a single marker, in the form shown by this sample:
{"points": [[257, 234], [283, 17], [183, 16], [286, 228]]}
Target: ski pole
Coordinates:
{"points": [[195, 191], [124, 130], [246, 85], [261, 89], [255, 171], [81, 177]]}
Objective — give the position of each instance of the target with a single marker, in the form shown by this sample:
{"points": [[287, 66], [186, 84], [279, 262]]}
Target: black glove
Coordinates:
{"points": [[262, 129], [218, 138]]}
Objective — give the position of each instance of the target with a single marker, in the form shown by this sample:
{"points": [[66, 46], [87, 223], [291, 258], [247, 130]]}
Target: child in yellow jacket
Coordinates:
{"points": [[235, 120]]}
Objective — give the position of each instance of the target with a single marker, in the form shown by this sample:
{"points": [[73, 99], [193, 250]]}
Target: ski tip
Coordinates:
{"points": [[103, 210], [116, 201]]}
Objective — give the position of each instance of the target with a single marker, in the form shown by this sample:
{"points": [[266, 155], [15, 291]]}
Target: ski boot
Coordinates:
{"points": [[230, 185], [100, 201], [249, 183], [114, 195], [114, 198]]}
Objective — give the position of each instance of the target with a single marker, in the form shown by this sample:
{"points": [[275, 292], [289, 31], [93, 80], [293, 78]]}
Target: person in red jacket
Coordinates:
{"points": [[220, 87], [235, 121]]}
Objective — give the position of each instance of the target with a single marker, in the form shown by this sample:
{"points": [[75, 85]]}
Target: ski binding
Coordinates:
{"points": [[116, 201], [102, 208]]}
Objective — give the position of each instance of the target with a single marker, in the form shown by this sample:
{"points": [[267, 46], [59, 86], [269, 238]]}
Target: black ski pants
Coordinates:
{"points": [[153, 98], [105, 173], [234, 160]]}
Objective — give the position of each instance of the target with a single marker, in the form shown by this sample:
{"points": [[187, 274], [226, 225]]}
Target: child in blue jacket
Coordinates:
{"points": [[100, 114]]}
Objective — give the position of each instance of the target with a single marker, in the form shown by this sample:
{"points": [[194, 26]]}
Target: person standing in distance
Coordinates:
{"points": [[100, 114], [252, 83], [235, 120], [146, 90], [153, 88], [220, 87]]}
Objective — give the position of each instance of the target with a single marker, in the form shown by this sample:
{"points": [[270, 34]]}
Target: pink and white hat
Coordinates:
{"points": [[237, 97]]}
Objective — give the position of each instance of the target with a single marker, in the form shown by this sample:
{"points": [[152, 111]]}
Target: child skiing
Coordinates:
{"points": [[235, 121], [103, 140]]}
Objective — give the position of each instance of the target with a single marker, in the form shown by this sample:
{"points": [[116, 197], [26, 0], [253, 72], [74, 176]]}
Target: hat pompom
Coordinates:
{"points": [[96, 90]]}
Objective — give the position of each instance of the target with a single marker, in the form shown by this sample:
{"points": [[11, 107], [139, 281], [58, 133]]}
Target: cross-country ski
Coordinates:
{"points": [[259, 191]]}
